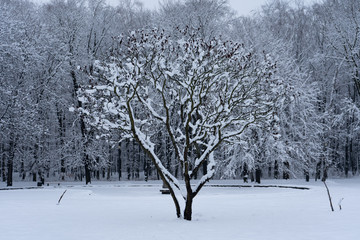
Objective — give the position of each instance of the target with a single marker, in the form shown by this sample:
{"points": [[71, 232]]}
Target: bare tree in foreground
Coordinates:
{"points": [[199, 94]]}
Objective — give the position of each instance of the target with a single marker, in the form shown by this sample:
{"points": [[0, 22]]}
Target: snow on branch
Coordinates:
{"points": [[197, 93]]}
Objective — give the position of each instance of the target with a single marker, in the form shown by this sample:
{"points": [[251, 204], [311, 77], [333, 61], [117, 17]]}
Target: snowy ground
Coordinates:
{"points": [[137, 210]]}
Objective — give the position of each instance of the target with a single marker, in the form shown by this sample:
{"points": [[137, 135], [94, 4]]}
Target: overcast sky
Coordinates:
{"points": [[243, 7]]}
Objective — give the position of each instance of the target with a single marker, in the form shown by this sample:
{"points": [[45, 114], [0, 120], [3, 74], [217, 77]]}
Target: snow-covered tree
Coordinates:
{"points": [[24, 74], [289, 145], [208, 17], [334, 67], [198, 93]]}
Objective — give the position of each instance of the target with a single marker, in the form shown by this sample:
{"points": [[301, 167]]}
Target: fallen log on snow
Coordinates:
{"points": [[258, 186]]}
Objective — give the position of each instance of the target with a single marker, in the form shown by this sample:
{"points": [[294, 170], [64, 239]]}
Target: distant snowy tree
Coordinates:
{"points": [[343, 39], [197, 93], [334, 67], [289, 144], [208, 17], [24, 73], [81, 30]]}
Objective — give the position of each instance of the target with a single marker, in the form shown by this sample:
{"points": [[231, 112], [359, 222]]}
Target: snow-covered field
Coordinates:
{"points": [[137, 210]]}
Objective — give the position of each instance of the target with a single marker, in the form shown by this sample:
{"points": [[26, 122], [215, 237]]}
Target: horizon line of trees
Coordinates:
{"points": [[46, 50]]}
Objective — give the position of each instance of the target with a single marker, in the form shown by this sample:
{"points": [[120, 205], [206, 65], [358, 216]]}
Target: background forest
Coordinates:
{"points": [[44, 49]]}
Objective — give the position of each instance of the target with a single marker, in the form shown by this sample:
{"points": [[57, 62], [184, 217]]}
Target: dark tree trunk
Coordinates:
{"points": [[286, 174], [61, 120], [9, 179], [307, 176], [205, 167], [245, 173], [276, 170], [252, 176], [258, 175], [128, 157], [146, 169], [347, 158], [87, 171], [269, 171], [22, 171], [10, 164], [119, 161], [176, 171], [62, 169], [128, 173], [34, 177], [42, 179], [188, 208], [108, 173], [3, 163], [82, 129], [318, 171], [325, 175], [352, 159], [133, 162], [86, 156]]}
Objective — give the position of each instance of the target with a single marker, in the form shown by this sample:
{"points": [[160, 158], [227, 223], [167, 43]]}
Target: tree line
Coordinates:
{"points": [[49, 52]]}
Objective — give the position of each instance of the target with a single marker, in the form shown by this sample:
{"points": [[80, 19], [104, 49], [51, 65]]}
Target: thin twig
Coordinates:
{"points": [[340, 203], [61, 197], [331, 205]]}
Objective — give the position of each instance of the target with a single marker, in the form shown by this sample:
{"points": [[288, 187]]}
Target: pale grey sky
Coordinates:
{"points": [[243, 7]]}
